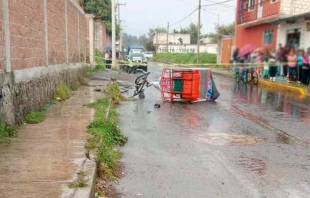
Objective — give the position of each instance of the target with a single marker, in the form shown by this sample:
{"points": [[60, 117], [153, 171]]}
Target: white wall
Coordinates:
{"points": [[294, 7], [304, 37], [161, 38], [209, 48]]}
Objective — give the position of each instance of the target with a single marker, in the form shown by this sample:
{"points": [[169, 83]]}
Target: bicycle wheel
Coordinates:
{"points": [[140, 80]]}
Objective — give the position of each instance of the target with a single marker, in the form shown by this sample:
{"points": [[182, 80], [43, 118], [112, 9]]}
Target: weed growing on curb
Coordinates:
{"points": [[82, 80], [106, 135], [62, 92], [74, 86], [34, 117], [6, 132], [47, 106], [100, 63], [80, 182], [97, 68]]}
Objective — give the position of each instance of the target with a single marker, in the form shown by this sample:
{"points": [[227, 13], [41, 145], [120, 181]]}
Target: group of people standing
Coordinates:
{"points": [[284, 62]]}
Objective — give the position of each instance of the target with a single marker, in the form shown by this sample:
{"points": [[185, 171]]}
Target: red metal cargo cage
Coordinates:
{"points": [[180, 85]]}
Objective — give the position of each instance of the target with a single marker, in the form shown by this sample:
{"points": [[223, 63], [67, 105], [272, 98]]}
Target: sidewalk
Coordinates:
{"points": [[280, 82], [44, 158]]}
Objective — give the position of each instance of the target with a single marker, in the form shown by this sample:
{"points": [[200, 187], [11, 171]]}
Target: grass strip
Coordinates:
{"points": [[188, 58], [106, 135], [35, 117]]}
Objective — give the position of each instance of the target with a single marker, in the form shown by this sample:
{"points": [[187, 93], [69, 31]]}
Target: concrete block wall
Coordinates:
{"points": [[294, 7], [1, 40]]}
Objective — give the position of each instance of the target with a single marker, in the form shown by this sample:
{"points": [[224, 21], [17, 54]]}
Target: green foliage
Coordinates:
{"points": [[100, 63], [47, 106], [81, 182], [226, 29], [62, 92], [192, 29], [102, 9], [189, 58], [6, 131], [82, 80], [150, 46], [135, 40], [75, 85], [222, 30], [34, 117], [106, 133]]}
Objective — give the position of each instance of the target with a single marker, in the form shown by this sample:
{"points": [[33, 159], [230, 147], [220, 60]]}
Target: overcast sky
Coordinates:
{"points": [[141, 15]]}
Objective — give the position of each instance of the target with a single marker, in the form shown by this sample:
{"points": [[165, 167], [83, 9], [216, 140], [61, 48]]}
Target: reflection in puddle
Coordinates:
{"points": [[221, 139]]}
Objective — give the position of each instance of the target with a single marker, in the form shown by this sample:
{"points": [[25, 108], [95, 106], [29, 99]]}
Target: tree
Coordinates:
{"points": [[102, 9], [153, 31], [150, 46], [226, 29], [192, 29], [221, 30]]}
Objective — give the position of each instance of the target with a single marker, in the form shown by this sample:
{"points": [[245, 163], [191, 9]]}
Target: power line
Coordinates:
{"points": [[218, 3], [187, 3], [184, 18]]}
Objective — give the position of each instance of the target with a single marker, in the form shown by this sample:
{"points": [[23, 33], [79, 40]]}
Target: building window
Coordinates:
{"points": [[267, 37], [273, 1], [251, 4]]}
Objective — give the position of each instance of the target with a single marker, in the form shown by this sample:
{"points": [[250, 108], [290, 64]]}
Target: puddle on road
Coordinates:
{"points": [[221, 139]]}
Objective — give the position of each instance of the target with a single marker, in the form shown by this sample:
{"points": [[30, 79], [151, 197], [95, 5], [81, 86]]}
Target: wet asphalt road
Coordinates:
{"points": [[251, 142]]}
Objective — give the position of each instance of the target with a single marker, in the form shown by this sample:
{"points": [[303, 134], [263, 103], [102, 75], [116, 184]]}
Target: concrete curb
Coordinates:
{"points": [[301, 91], [90, 168]]}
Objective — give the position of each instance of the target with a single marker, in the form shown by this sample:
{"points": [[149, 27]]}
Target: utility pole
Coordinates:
{"points": [[113, 35], [219, 45], [167, 42], [198, 36], [119, 22]]}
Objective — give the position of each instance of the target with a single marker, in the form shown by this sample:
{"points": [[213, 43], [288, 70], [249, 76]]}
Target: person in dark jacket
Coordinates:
{"points": [[235, 59]]}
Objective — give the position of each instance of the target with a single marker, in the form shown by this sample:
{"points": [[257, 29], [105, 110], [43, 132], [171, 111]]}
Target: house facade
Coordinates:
{"points": [[267, 23], [173, 38]]}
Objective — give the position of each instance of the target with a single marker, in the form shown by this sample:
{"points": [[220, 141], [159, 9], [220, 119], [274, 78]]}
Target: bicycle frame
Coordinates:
{"points": [[141, 82]]}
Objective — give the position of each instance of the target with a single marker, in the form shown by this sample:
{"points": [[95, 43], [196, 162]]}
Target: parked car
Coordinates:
{"points": [[138, 60], [149, 55], [135, 49]]}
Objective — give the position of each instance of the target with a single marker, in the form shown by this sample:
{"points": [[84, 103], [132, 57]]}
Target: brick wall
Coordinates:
{"points": [[82, 25], [73, 33], [27, 33], [1, 40], [102, 39], [56, 32], [87, 41], [270, 8]]}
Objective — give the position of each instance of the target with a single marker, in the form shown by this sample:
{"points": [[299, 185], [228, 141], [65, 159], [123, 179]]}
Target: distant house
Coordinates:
{"points": [[270, 22], [206, 40], [161, 38]]}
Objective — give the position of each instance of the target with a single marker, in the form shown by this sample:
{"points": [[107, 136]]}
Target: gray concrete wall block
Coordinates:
{"points": [[29, 89]]}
